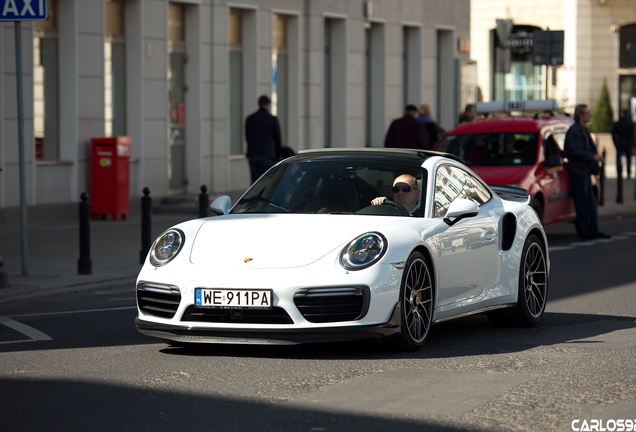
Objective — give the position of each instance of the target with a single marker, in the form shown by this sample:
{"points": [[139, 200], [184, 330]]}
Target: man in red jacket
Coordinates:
{"points": [[407, 132]]}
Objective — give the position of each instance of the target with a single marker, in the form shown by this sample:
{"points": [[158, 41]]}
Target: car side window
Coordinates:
{"points": [[451, 183], [559, 136], [550, 147]]}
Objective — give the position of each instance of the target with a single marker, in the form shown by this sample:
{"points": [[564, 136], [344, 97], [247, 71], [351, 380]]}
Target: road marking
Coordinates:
{"points": [[624, 236], [33, 334], [77, 311]]}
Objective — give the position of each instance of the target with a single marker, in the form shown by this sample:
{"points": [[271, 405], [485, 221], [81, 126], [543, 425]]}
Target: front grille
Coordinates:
{"points": [[332, 304], [275, 315], [158, 299]]}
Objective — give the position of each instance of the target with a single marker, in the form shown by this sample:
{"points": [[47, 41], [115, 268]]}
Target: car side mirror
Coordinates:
{"points": [[221, 205], [459, 209], [552, 161]]}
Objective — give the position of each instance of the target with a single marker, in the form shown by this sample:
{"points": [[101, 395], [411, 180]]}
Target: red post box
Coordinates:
{"points": [[110, 176]]}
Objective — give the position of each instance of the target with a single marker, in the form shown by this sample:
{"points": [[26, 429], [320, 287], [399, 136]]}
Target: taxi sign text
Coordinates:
{"points": [[23, 10]]}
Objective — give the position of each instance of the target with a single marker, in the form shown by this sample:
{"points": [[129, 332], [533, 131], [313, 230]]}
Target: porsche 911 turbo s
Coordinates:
{"points": [[348, 244]]}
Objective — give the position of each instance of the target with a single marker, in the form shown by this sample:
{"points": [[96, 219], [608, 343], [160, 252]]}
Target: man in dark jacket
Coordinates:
{"points": [[582, 164], [262, 133], [407, 132], [623, 137]]}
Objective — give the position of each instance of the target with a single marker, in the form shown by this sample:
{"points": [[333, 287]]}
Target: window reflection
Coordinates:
{"points": [[452, 183]]}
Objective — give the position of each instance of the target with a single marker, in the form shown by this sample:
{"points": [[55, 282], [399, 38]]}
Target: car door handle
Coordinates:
{"points": [[490, 235]]}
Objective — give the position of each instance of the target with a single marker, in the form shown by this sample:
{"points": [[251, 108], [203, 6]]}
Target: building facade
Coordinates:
{"points": [[179, 78], [599, 43]]}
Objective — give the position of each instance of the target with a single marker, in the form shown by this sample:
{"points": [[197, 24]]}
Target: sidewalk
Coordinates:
{"points": [[53, 250]]}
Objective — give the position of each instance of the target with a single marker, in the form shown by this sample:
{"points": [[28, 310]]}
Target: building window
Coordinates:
{"points": [[627, 47], [627, 94], [176, 98], [114, 70], [328, 81], [236, 81], [411, 66], [280, 75], [335, 82], [45, 86]]}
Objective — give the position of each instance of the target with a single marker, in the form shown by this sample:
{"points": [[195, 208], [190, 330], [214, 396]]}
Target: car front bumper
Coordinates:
{"points": [[184, 333]]}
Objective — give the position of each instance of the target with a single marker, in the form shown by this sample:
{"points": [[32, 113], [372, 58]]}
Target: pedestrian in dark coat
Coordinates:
{"points": [[432, 128], [407, 132], [623, 137], [262, 133], [583, 160]]}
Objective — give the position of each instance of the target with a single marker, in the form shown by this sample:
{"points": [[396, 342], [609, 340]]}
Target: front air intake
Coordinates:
{"points": [[158, 299], [332, 304]]}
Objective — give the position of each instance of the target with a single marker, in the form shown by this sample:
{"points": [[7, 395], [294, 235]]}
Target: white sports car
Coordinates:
{"points": [[304, 255]]}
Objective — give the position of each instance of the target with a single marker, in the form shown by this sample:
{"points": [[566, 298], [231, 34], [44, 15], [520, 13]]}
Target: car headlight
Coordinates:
{"points": [[166, 247], [363, 251]]}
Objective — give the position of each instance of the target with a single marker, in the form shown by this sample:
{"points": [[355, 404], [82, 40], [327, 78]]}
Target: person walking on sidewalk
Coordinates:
{"points": [[262, 133], [432, 128], [407, 132], [582, 164], [623, 137]]}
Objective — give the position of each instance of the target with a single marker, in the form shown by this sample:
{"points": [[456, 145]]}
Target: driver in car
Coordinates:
{"points": [[405, 192]]}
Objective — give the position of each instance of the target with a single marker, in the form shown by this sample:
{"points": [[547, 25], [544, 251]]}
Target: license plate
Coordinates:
{"points": [[233, 299]]}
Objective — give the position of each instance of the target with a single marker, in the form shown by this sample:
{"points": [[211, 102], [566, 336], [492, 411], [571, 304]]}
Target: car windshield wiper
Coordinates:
{"points": [[251, 202]]}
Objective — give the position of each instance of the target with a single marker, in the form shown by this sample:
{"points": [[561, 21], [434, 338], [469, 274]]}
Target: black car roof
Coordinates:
{"points": [[399, 153]]}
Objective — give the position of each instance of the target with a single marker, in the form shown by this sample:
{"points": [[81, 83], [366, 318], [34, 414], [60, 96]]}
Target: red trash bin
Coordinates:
{"points": [[110, 176]]}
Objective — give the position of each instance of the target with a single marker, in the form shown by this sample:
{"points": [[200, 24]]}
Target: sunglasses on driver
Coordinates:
{"points": [[396, 189]]}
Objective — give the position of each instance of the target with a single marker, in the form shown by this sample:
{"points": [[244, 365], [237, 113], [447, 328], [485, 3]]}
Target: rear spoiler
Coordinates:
{"points": [[510, 193]]}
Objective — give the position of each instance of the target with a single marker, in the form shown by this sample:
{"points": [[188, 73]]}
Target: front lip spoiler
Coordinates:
{"points": [[187, 334]]}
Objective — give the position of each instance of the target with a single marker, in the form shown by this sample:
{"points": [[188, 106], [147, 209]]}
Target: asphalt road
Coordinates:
{"points": [[76, 362]]}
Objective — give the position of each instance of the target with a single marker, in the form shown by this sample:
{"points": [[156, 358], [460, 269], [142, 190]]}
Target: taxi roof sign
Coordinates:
{"points": [[23, 10], [510, 106]]}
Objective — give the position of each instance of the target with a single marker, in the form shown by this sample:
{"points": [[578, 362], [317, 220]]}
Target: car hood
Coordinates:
{"points": [[270, 241], [503, 175]]}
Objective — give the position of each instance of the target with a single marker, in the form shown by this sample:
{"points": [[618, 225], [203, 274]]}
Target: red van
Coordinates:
{"points": [[519, 150]]}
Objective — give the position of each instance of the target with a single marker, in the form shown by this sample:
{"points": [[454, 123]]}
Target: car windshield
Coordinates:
{"points": [[343, 185], [492, 149]]}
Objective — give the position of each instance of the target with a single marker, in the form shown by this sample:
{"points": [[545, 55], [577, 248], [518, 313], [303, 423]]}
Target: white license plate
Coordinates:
{"points": [[233, 299]]}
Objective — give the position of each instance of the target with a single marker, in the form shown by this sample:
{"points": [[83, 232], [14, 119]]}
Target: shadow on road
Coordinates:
{"points": [[66, 405], [469, 336]]}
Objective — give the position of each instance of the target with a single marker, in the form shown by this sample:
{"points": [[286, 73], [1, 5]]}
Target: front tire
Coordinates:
{"points": [[416, 303]]}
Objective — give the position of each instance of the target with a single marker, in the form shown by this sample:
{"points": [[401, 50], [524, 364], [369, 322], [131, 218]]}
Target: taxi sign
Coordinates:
{"points": [[509, 106], [23, 10]]}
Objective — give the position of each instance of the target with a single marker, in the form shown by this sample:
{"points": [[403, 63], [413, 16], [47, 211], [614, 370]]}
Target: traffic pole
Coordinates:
{"points": [[23, 205]]}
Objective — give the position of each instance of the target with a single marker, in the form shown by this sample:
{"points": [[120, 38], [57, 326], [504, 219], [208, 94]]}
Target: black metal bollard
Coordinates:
{"points": [[204, 202], [4, 277], [619, 180], [601, 181], [84, 263], [146, 222]]}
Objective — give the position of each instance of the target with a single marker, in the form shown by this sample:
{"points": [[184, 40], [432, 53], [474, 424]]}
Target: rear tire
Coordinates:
{"points": [[538, 208], [533, 287]]}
